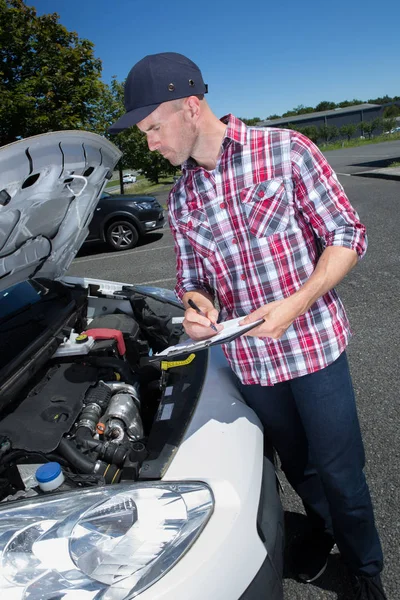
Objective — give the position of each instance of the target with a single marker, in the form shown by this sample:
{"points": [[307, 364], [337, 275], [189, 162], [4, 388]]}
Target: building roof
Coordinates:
{"points": [[322, 113]]}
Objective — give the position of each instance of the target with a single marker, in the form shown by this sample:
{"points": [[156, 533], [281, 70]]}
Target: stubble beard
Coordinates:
{"points": [[187, 143], [178, 158]]}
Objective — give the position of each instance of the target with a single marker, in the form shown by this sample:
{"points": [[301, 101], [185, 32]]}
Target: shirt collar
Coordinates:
{"points": [[236, 131]]}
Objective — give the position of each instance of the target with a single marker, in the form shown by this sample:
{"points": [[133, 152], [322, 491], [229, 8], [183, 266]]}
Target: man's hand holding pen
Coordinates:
{"points": [[201, 317]]}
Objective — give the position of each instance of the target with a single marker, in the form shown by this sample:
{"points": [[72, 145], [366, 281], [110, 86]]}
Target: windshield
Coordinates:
{"points": [[16, 297], [27, 311]]}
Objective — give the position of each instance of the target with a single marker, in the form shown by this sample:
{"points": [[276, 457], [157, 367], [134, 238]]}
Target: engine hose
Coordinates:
{"points": [[87, 441], [83, 435], [114, 363], [109, 452], [73, 456]]}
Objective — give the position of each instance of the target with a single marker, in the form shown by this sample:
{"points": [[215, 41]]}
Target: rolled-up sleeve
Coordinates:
{"points": [[190, 271], [320, 197]]}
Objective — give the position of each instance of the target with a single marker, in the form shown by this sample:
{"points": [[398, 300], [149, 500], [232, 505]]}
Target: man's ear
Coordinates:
{"points": [[192, 104]]}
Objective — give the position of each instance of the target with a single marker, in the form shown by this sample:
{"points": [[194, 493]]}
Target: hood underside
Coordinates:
{"points": [[50, 185]]}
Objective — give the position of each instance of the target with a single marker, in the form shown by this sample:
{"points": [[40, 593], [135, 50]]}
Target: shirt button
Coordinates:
{"points": [[243, 194], [234, 241], [222, 205], [243, 276], [207, 174], [261, 194]]}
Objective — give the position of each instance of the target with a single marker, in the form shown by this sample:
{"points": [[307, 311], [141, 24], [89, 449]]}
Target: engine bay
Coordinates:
{"points": [[88, 396]]}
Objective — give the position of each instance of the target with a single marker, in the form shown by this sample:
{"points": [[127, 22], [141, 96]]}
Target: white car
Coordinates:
{"points": [[128, 178], [394, 130], [121, 476]]}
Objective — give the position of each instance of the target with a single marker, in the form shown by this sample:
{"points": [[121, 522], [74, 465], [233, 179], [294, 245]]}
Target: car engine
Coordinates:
{"points": [[90, 406]]}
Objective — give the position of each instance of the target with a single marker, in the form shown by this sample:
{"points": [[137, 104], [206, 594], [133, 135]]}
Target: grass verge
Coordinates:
{"points": [[112, 183], [354, 143], [143, 185]]}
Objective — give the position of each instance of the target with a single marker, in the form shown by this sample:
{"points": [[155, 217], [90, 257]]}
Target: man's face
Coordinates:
{"points": [[169, 130]]}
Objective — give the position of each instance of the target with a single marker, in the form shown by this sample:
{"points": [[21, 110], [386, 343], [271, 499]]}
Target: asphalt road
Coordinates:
{"points": [[371, 295], [364, 158]]}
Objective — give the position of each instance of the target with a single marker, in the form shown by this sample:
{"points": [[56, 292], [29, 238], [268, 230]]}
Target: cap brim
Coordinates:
{"points": [[132, 117]]}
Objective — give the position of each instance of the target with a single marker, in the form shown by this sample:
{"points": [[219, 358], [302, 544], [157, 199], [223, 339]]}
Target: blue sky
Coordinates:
{"points": [[258, 57]]}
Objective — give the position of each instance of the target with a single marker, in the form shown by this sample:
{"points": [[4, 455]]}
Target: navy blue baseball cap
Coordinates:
{"points": [[155, 79]]}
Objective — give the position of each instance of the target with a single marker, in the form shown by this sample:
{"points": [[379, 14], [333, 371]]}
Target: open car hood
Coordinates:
{"points": [[50, 185]]}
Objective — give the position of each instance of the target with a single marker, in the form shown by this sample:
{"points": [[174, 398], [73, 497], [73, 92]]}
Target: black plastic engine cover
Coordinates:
{"points": [[135, 347], [122, 322], [50, 409]]}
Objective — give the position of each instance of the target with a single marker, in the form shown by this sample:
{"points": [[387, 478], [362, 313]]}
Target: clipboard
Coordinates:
{"points": [[232, 331]]}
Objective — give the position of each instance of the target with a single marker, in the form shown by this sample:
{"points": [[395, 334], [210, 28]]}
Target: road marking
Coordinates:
{"points": [[119, 254], [156, 281], [347, 174]]}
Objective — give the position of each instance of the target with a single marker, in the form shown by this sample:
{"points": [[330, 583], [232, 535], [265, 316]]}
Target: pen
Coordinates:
{"points": [[200, 312]]}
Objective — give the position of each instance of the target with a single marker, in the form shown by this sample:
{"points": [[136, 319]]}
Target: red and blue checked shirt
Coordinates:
{"points": [[251, 232]]}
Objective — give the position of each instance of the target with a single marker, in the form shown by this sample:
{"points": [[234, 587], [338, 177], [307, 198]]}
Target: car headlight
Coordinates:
{"points": [[108, 544], [144, 205]]}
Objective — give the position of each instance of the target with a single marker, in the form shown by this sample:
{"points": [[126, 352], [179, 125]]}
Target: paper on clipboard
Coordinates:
{"points": [[231, 330]]}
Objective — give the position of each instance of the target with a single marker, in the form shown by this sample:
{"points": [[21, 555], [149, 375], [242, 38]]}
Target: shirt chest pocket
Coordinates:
{"points": [[266, 207], [196, 228]]}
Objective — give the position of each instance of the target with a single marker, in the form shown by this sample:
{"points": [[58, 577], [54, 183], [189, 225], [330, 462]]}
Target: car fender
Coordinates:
{"points": [[120, 214], [222, 447]]}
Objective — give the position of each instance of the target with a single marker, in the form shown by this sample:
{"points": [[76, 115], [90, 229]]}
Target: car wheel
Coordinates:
{"points": [[122, 235]]}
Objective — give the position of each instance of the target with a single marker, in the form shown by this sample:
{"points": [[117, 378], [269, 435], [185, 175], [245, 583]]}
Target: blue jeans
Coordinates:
{"points": [[312, 422]]}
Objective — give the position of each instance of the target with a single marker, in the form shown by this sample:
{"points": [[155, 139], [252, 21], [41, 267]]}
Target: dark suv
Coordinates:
{"points": [[122, 220]]}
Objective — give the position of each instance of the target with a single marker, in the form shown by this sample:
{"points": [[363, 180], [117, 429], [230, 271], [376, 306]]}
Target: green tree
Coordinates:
{"points": [[138, 155], [325, 105], [382, 99], [107, 109], [328, 132], [377, 124], [391, 111], [302, 110], [347, 103], [299, 110], [49, 78], [370, 126], [291, 126], [389, 123], [311, 132], [348, 131], [131, 142], [367, 129], [252, 121]]}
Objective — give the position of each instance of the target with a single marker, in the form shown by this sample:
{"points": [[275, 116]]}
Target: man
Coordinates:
{"points": [[263, 228]]}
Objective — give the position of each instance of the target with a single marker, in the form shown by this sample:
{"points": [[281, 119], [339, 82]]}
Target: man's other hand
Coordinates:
{"points": [[278, 316]]}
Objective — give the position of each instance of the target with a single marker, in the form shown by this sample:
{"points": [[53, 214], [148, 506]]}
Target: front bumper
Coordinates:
{"points": [[267, 584], [152, 220], [239, 550]]}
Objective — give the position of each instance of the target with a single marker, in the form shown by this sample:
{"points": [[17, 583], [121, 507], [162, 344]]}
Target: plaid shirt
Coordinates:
{"points": [[251, 232]]}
